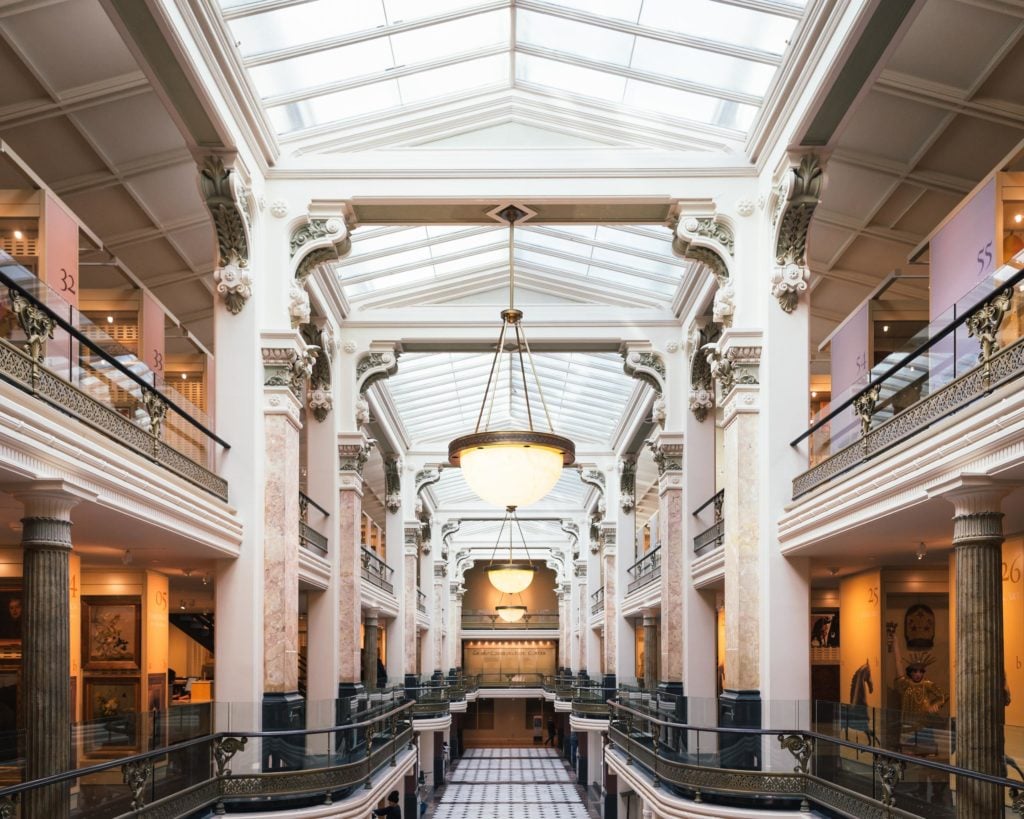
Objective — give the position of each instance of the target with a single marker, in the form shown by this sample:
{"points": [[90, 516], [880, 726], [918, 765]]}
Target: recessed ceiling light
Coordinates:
{"points": [[19, 235], [110, 319], [1018, 218], [814, 394], [885, 328]]}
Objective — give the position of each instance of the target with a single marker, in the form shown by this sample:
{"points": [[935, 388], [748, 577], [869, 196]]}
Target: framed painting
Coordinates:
{"points": [[825, 628], [111, 633], [10, 614], [112, 720]]}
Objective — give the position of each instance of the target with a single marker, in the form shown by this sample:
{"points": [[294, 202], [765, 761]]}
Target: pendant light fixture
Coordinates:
{"points": [[511, 576], [510, 613], [511, 467]]}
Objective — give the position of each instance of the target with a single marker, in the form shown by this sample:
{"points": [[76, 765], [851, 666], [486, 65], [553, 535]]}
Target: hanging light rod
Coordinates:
{"points": [[512, 576], [511, 467]]}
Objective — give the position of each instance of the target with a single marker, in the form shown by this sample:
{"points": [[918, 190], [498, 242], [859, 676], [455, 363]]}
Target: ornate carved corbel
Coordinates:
{"points": [[392, 484], [320, 400], [668, 457], [448, 530], [352, 456], [702, 386], [286, 367], [627, 485], [573, 531], [220, 191], [373, 366], [797, 197], [645, 365]]}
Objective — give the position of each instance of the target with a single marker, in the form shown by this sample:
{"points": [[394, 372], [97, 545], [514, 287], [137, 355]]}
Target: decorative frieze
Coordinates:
{"points": [[314, 231], [287, 367], [739, 365], [668, 457], [352, 456], [709, 227]]}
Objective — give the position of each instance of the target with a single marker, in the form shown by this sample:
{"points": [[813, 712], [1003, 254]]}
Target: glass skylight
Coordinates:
{"points": [[319, 63], [604, 264]]}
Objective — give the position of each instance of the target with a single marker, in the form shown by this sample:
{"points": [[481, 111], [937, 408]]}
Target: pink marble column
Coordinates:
{"points": [[281, 541], [352, 452], [410, 555], [437, 623], [669, 456], [609, 552]]}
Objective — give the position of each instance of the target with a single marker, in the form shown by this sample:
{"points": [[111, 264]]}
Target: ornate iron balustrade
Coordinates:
{"points": [[560, 685], [421, 601], [377, 572], [925, 385], [194, 776], [588, 701], [519, 679], [90, 377], [478, 620], [714, 536], [695, 760], [646, 570], [597, 601]]}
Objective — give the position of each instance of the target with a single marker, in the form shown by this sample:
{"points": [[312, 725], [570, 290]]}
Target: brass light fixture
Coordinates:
{"points": [[511, 467], [511, 576]]}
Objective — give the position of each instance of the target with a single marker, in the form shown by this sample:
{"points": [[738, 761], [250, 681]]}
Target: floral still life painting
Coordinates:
{"points": [[110, 632]]}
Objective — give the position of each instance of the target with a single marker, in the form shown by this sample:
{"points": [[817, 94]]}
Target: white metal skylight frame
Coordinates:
{"points": [[662, 72]]}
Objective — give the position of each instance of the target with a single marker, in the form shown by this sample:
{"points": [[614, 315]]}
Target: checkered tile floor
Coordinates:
{"points": [[510, 783]]}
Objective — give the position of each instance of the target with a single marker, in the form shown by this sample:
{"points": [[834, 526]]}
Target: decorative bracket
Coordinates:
{"points": [[220, 191], [573, 531], [702, 385], [669, 458], [449, 528], [645, 365], [352, 456], [739, 365], [984, 325], [890, 771], [373, 366], [864, 408], [320, 398], [286, 367], [802, 749], [797, 197], [223, 750], [392, 484], [36, 324], [627, 485]]}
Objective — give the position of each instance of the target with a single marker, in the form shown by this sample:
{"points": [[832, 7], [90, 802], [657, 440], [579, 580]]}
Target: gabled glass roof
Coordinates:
{"points": [[438, 395], [319, 63], [569, 493], [393, 266]]}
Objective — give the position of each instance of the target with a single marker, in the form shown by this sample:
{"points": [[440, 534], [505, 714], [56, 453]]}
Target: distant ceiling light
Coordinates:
{"points": [[510, 614], [885, 328], [19, 235], [922, 550], [510, 577], [833, 570], [187, 572], [126, 558], [182, 605], [184, 376], [814, 394], [1018, 218], [110, 319]]}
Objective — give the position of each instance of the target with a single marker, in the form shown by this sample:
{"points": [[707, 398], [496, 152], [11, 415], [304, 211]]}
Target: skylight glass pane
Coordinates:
{"points": [[467, 243], [405, 10], [569, 78], [311, 70], [717, 70], [528, 256], [453, 79], [720, 21], [366, 242], [591, 42], [478, 260], [621, 9], [304, 23], [605, 275], [560, 243], [434, 42], [624, 238], [656, 98], [625, 259], [340, 105], [382, 264]]}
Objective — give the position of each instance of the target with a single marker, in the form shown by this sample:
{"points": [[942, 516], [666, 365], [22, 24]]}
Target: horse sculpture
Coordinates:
{"points": [[857, 712]]}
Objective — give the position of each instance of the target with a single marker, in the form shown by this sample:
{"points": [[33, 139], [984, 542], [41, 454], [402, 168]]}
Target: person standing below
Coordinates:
{"points": [[392, 811], [551, 733]]}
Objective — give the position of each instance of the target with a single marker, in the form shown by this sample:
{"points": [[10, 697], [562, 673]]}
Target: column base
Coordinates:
{"points": [[284, 712], [740, 709]]}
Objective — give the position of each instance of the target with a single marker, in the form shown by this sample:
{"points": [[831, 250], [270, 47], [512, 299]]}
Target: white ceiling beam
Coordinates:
{"points": [[779, 8], [667, 258], [644, 76], [358, 257], [260, 7]]}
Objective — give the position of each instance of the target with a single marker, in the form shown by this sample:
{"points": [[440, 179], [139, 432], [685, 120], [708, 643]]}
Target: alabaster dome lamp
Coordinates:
{"points": [[510, 576], [511, 467], [509, 612]]}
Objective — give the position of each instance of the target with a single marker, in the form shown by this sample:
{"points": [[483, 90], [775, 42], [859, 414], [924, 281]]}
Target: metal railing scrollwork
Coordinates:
{"points": [[377, 572], [597, 601], [646, 570]]}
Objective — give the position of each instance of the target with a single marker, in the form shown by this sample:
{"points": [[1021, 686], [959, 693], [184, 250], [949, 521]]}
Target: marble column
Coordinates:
{"points": [[650, 623], [46, 713], [668, 455], [410, 553], [281, 426], [437, 616], [609, 556], [455, 632], [980, 703], [580, 614], [353, 449], [371, 648]]}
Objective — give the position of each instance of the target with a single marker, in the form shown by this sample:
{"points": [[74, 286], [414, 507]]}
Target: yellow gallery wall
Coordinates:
{"points": [[861, 640]]}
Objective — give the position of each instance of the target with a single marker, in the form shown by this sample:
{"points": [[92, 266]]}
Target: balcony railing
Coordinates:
{"points": [[589, 701], [511, 679], [195, 776], [646, 570], [824, 770], [421, 601], [948, 365], [377, 572], [597, 601], [490, 620], [310, 538], [47, 345], [714, 536], [432, 699]]}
